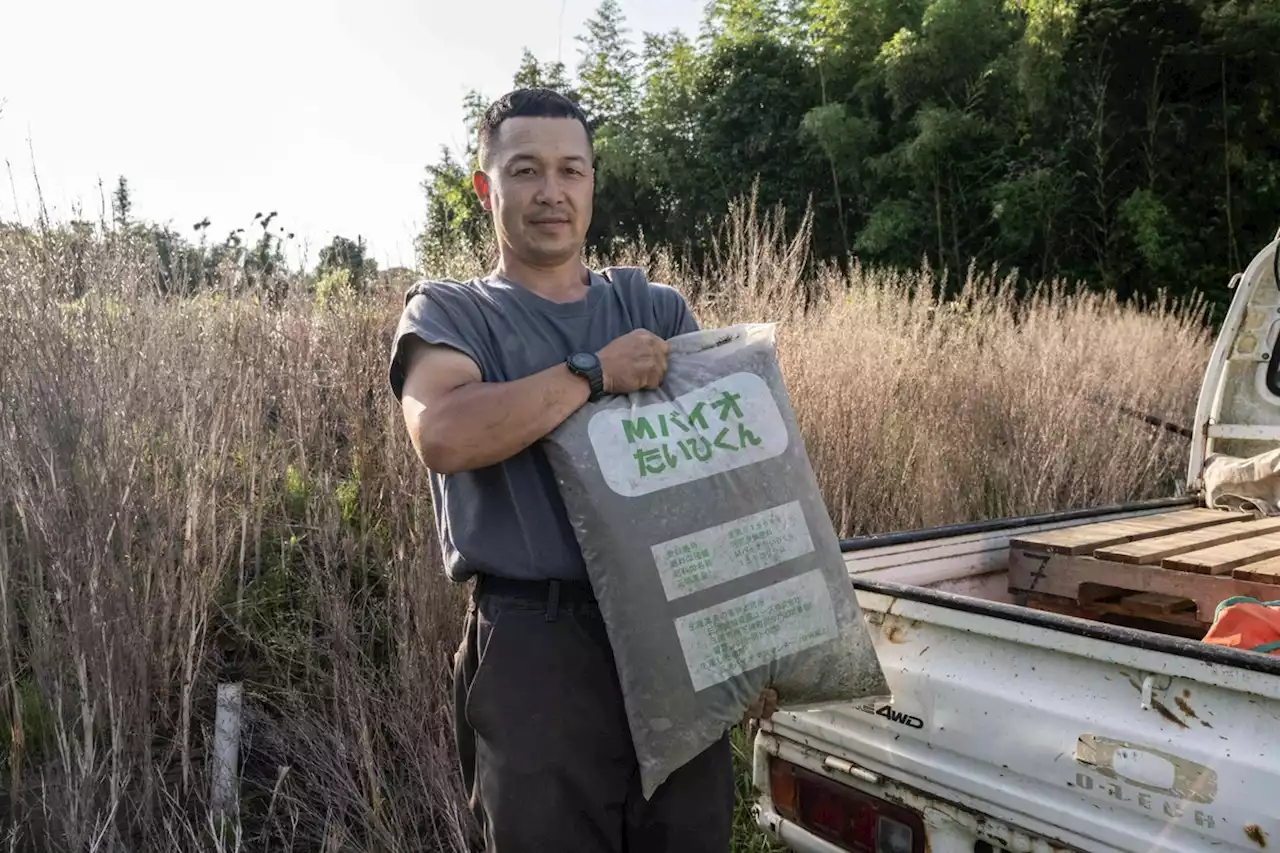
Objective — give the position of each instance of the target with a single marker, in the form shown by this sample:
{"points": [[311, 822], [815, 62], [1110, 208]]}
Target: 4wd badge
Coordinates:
{"points": [[892, 715]]}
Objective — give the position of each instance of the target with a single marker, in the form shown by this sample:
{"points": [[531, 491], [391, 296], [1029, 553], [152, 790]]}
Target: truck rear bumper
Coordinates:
{"points": [[790, 835], [944, 826], [944, 836]]}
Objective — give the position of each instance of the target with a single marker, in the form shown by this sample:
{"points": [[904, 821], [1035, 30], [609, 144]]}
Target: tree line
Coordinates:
{"points": [[1128, 145], [249, 258]]}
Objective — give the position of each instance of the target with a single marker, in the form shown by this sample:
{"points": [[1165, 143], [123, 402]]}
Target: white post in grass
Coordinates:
{"points": [[226, 748]]}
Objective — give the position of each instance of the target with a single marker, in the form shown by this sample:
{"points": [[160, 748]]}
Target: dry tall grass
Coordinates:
{"points": [[211, 489]]}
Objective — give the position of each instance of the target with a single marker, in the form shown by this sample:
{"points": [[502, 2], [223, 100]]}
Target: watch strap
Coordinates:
{"points": [[594, 376]]}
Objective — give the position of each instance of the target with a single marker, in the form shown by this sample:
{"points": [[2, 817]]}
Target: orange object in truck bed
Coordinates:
{"points": [[1248, 624]]}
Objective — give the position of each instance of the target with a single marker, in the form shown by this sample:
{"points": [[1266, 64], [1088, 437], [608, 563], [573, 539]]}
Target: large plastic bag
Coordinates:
{"points": [[710, 549]]}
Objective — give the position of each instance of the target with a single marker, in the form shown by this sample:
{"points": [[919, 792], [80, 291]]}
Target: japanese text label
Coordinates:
{"points": [[725, 425]]}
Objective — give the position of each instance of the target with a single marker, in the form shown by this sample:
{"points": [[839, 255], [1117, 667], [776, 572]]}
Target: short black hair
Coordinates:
{"points": [[526, 103]]}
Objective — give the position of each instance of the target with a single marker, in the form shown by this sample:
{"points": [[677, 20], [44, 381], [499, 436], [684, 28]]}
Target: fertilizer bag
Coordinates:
{"points": [[709, 548]]}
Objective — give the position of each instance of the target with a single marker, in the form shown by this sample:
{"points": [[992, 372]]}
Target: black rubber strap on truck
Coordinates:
{"points": [[928, 534]]}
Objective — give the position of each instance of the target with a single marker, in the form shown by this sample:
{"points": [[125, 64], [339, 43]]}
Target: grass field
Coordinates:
{"points": [[218, 489]]}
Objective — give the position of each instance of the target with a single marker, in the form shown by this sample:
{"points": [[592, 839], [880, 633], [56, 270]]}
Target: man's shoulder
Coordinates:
{"points": [[635, 281], [663, 305], [446, 289]]}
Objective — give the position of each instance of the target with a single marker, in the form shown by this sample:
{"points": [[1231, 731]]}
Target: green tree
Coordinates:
{"points": [[608, 72], [550, 75], [455, 217], [609, 89], [348, 256], [752, 96], [121, 203], [668, 153], [1124, 144], [731, 20]]}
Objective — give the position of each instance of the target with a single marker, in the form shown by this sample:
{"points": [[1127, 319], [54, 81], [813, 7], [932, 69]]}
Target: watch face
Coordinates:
{"points": [[582, 361]]}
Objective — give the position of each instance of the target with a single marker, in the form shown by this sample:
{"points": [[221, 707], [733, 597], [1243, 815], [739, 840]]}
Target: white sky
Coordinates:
{"points": [[326, 112]]}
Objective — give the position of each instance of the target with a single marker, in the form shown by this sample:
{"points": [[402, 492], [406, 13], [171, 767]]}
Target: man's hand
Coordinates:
{"points": [[636, 360], [764, 706]]}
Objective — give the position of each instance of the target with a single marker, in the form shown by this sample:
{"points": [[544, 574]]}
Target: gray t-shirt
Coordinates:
{"points": [[508, 520]]}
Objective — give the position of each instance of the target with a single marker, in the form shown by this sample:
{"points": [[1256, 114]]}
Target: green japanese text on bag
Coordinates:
{"points": [[709, 547]]}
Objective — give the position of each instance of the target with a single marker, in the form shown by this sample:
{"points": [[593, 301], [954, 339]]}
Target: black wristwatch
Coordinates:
{"points": [[587, 366]]}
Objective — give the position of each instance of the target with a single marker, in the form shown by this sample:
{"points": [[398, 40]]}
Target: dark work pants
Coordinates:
{"points": [[543, 739]]}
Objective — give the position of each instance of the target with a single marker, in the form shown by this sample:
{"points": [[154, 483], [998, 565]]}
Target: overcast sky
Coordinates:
{"points": [[312, 109]]}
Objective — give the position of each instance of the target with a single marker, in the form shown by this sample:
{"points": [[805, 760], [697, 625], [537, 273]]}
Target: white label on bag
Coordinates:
{"points": [[728, 551], [757, 628], [721, 426]]}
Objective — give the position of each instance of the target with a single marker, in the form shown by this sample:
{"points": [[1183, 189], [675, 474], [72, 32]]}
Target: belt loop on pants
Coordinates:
{"points": [[553, 600], [550, 593]]}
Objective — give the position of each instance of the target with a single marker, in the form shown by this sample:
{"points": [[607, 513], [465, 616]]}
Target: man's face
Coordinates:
{"points": [[539, 183]]}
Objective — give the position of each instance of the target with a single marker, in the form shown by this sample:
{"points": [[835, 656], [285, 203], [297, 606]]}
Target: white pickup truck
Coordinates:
{"points": [[1011, 729]]}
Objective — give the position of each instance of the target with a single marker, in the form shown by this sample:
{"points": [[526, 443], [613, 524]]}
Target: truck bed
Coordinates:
{"points": [[973, 559], [1022, 729]]}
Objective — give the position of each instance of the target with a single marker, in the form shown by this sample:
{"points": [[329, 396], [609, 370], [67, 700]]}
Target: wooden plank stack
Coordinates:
{"points": [[1165, 572]]}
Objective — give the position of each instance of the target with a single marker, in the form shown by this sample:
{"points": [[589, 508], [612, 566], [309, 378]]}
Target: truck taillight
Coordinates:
{"points": [[843, 815], [782, 787]]}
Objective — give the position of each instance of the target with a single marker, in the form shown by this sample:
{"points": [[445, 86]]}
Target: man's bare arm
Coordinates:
{"points": [[459, 423]]}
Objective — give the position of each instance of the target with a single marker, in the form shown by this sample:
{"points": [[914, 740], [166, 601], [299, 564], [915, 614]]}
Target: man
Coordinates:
{"points": [[484, 370]]}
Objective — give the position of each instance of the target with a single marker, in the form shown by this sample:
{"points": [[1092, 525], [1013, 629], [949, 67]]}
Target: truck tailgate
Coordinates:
{"points": [[1096, 737]]}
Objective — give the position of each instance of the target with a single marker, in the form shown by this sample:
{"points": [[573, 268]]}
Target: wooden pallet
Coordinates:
{"points": [[1169, 570]]}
